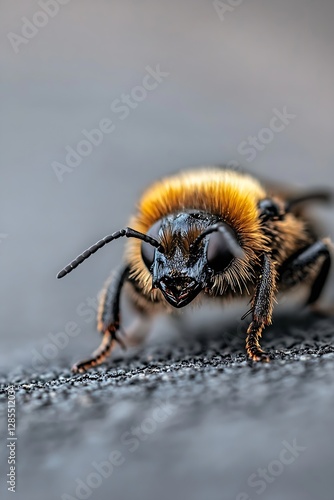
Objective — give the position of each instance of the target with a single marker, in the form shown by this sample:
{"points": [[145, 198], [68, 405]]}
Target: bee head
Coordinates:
{"points": [[193, 248], [182, 251]]}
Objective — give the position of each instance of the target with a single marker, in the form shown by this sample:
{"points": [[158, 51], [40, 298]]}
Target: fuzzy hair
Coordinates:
{"points": [[230, 195]]}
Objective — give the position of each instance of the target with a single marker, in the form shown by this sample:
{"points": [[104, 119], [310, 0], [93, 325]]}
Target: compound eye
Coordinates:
{"points": [[218, 252], [269, 209], [147, 250]]}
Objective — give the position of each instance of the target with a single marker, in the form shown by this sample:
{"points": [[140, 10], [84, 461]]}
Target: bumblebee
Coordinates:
{"points": [[218, 233]]}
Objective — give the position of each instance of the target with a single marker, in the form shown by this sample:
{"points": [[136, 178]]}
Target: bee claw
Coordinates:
{"points": [[77, 368], [260, 357]]}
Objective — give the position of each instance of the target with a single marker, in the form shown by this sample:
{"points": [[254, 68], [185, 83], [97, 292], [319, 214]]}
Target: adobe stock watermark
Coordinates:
{"points": [[58, 341], [31, 27], [121, 107], [263, 477], [222, 8], [265, 136], [130, 442]]}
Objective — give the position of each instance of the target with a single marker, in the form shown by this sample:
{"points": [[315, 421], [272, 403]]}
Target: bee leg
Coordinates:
{"points": [[262, 309], [320, 280], [299, 268], [108, 320], [253, 348]]}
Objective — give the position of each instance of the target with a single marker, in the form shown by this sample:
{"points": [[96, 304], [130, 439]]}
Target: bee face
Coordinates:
{"points": [[187, 262], [179, 275]]}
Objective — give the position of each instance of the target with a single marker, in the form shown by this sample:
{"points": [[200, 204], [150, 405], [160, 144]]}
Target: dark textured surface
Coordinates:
{"points": [[223, 418]]}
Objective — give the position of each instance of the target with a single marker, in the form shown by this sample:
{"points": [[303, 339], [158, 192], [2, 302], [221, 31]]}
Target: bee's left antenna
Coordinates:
{"points": [[128, 232]]}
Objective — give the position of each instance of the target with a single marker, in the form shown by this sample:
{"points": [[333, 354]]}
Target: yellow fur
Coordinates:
{"points": [[231, 195]]}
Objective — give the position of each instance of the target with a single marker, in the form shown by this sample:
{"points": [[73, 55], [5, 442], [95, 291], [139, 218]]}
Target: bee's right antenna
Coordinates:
{"points": [[324, 196], [128, 232]]}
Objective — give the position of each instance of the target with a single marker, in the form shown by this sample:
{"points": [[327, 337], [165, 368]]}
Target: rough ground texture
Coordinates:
{"points": [[188, 417]]}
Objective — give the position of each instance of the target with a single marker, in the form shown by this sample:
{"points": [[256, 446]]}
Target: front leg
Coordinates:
{"points": [[262, 309], [108, 319]]}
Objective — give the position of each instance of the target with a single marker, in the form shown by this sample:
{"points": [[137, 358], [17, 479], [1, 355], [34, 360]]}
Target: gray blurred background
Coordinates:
{"points": [[228, 69]]}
